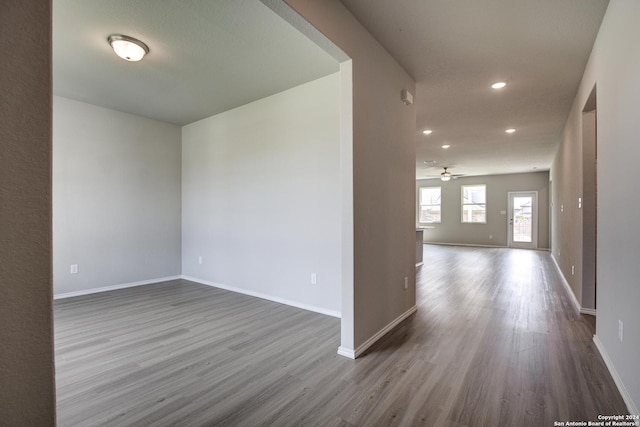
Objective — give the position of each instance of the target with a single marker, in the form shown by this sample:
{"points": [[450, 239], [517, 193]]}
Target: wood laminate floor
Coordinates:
{"points": [[495, 342]]}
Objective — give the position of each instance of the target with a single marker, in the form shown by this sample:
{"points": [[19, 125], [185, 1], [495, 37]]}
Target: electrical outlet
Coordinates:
{"points": [[314, 278], [620, 330], [579, 202], [406, 283], [573, 270], [73, 269], [200, 259]]}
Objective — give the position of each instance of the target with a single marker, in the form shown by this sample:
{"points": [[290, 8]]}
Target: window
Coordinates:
{"points": [[429, 205], [474, 203]]}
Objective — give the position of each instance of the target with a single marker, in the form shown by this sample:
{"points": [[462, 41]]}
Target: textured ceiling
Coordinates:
{"points": [[455, 49], [206, 56]]}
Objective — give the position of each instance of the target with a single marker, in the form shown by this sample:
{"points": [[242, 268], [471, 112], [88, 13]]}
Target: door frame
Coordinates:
{"points": [[534, 220]]}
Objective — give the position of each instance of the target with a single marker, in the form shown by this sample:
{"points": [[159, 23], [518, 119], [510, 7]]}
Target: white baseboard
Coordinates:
{"points": [[352, 354], [346, 352], [267, 297], [631, 406], [463, 244], [113, 287], [575, 301], [471, 245]]}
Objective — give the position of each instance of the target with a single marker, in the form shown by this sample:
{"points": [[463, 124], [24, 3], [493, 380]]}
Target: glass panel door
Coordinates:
{"points": [[521, 214], [523, 219]]}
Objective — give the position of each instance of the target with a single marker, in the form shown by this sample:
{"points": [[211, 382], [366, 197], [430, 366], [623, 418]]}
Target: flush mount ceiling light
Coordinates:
{"points": [[128, 48], [427, 131], [446, 146], [511, 130], [498, 85]]}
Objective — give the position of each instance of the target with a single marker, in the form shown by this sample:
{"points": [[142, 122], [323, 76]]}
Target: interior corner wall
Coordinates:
{"points": [[116, 198], [451, 230], [261, 201], [27, 387], [614, 68], [383, 174]]}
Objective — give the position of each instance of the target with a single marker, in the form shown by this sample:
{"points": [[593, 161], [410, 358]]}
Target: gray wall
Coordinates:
{"points": [[116, 197], [452, 231], [261, 201], [378, 145], [27, 391], [614, 67]]}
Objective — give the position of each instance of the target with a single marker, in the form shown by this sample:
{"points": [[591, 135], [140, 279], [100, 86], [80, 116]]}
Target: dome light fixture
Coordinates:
{"points": [[510, 130], [128, 48], [427, 131], [498, 85]]}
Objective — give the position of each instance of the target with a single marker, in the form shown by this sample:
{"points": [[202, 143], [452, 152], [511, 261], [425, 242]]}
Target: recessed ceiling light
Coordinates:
{"points": [[446, 146], [427, 131], [498, 85], [128, 48], [511, 130]]}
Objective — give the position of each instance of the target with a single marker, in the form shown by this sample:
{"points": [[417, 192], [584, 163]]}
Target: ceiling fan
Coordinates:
{"points": [[446, 175]]}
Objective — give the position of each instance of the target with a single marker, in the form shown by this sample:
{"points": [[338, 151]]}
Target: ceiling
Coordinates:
{"points": [[205, 56], [455, 50], [208, 56]]}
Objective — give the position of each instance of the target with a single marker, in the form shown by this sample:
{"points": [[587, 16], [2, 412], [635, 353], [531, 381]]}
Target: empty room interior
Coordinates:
{"points": [[331, 213]]}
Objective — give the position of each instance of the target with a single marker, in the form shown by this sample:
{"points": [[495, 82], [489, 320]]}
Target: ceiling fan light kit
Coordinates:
{"points": [[446, 175]]}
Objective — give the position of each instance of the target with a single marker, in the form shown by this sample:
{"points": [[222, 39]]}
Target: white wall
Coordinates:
{"points": [[614, 68], [452, 231], [116, 197], [261, 202]]}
